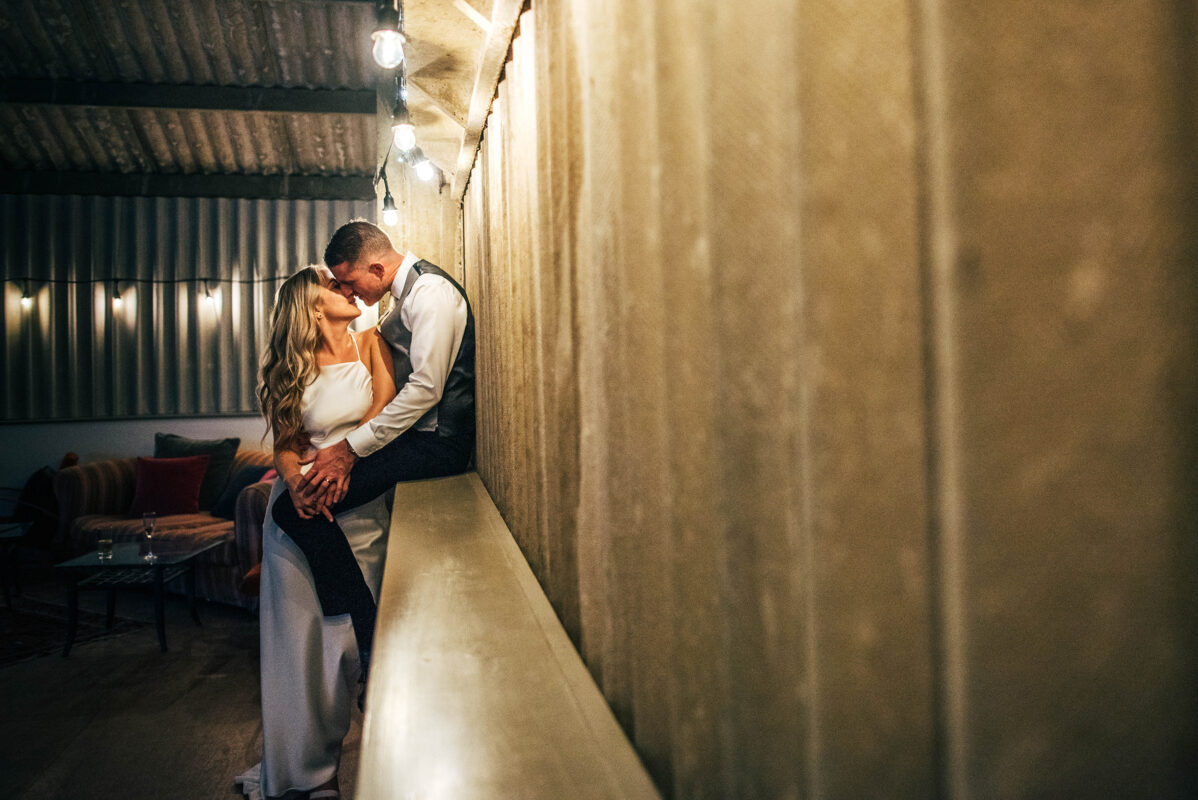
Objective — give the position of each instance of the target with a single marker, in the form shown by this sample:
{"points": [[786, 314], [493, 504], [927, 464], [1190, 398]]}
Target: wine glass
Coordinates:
{"points": [[147, 523]]}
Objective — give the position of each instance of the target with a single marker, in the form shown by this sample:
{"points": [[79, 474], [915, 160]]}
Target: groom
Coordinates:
{"points": [[426, 431]]}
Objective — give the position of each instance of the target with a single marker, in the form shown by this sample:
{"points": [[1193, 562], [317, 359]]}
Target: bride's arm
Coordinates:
{"points": [[377, 358]]}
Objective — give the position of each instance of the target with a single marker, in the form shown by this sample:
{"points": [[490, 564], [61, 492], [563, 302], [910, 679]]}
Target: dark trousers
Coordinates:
{"points": [[340, 585]]}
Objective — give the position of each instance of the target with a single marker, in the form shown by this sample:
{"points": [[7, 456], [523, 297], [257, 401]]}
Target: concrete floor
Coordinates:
{"points": [[120, 719]]}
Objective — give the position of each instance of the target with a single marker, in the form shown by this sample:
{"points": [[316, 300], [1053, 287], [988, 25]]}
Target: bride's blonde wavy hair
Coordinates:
{"points": [[289, 360]]}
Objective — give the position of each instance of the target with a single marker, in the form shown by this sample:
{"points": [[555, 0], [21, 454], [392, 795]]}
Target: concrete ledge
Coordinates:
{"points": [[476, 690]]}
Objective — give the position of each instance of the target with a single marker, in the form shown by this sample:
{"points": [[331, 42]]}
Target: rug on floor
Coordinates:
{"points": [[33, 628]]}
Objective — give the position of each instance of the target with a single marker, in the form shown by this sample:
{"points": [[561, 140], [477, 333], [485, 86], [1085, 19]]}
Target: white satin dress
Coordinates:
{"points": [[310, 663]]}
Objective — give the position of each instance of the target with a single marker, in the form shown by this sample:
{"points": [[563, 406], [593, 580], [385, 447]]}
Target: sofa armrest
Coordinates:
{"points": [[247, 523], [105, 487]]}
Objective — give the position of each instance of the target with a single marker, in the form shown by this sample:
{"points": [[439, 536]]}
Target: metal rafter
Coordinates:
{"points": [[295, 187], [35, 91]]}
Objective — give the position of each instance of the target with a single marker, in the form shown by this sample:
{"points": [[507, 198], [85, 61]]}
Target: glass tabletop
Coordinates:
{"points": [[132, 554], [13, 530]]}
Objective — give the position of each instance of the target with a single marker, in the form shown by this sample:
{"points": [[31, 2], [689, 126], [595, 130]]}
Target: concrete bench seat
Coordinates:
{"points": [[476, 691]]}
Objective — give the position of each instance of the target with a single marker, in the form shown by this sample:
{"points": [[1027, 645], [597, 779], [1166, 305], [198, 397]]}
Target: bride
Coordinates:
{"points": [[319, 381]]}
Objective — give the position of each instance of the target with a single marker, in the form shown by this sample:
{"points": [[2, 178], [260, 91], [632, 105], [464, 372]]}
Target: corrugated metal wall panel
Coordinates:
{"points": [[167, 349]]}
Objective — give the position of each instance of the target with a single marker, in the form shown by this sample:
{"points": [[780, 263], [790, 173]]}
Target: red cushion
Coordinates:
{"points": [[168, 485]]}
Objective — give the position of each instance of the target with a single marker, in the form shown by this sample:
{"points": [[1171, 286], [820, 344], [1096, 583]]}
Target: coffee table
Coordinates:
{"points": [[128, 569]]}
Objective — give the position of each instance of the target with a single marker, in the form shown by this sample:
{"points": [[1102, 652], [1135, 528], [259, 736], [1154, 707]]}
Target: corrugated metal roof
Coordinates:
{"points": [[99, 94], [292, 44], [170, 141]]}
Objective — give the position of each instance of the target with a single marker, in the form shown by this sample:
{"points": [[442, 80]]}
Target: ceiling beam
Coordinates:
{"points": [[218, 98], [428, 97], [472, 14], [276, 187], [505, 18]]}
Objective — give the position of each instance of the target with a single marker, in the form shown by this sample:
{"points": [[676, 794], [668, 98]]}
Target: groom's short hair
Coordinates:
{"points": [[356, 240]]}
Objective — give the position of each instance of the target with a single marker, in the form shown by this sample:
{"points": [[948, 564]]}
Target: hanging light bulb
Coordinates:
{"points": [[117, 300], [425, 170], [209, 298], [404, 135], [403, 132], [26, 301], [388, 48], [388, 36], [390, 212]]}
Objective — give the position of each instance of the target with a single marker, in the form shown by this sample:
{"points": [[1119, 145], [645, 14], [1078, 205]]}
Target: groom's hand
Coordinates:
{"points": [[328, 480]]}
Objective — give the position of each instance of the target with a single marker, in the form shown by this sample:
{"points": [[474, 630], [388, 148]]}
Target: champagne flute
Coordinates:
{"points": [[147, 523]]}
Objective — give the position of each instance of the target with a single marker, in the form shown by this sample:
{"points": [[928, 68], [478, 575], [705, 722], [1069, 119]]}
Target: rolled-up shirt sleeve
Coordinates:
{"points": [[435, 312]]}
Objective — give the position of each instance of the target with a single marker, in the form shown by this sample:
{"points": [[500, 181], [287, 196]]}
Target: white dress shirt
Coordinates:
{"points": [[435, 312]]}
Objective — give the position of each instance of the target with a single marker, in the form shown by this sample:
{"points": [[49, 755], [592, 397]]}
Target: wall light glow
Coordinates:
{"points": [[212, 298]]}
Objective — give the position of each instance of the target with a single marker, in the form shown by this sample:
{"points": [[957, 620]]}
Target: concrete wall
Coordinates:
{"points": [[837, 377]]}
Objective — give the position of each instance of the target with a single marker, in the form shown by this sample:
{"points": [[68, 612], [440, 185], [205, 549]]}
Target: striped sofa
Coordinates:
{"points": [[96, 497]]}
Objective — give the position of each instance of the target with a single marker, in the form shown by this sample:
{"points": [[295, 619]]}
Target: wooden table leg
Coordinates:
{"points": [[72, 615], [159, 607]]}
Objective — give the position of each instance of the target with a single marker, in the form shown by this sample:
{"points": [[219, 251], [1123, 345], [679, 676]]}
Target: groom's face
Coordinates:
{"points": [[364, 281]]}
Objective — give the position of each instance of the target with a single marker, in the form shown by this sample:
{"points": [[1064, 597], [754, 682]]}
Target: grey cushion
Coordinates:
{"points": [[226, 506], [220, 454]]}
